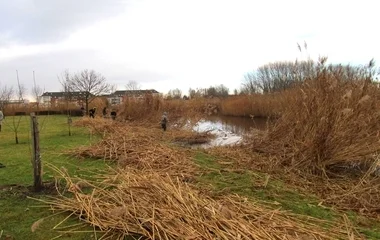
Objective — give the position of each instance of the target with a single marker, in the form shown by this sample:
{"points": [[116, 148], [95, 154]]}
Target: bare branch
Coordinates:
{"points": [[6, 94], [133, 85], [88, 82]]}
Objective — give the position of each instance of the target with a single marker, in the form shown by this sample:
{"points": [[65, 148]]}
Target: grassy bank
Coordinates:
{"points": [[18, 212], [209, 172]]}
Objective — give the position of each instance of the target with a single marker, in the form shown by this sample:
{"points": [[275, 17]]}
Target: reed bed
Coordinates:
{"points": [[328, 123], [150, 205], [150, 109], [255, 105]]}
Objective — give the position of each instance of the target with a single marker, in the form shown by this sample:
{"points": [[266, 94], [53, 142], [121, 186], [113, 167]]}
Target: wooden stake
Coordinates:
{"points": [[36, 156]]}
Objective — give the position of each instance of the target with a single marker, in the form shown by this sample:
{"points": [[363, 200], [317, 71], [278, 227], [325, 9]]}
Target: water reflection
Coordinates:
{"points": [[238, 125]]}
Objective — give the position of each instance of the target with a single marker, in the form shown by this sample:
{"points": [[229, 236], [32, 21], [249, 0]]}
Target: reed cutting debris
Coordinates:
{"points": [[155, 206], [141, 147], [97, 125], [353, 190]]}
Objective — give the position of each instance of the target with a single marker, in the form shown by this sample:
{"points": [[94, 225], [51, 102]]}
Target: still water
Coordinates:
{"points": [[228, 130], [237, 125]]}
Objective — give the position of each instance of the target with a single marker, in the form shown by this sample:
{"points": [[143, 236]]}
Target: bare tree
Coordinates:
{"points": [[249, 85], [6, 94], [278, 76], [36, 92], [133, 85], [68, 95], [174, 94], [192, 93], [20, 100], [222, 91], [89, 83]]}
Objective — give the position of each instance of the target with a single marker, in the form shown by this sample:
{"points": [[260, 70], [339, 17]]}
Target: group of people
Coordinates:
{"points": [[112, 114], [92, 112], [163, 122]]}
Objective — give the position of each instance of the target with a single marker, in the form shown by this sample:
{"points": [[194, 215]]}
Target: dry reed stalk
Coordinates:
{"points": [[149, 109], [329, 122], [258, 105], [330, 128], [147, 204]]}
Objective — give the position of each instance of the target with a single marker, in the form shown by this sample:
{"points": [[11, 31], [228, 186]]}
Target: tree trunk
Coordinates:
{"points": [[16, 137], [87, 105]]}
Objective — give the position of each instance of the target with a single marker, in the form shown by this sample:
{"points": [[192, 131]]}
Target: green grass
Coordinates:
{"points": [[18, 212], [223, 178]]}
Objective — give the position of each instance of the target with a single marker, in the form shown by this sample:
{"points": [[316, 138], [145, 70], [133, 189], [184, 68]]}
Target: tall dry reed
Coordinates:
{"points": [[328, 123], [150, 109], [256, 105]]}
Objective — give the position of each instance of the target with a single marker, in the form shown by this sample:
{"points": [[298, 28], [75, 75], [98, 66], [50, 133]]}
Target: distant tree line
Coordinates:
{"points": [[210, 92], [278, 76]]}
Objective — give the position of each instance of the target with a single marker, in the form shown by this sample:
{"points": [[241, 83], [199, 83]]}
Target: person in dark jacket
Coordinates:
{"points": [[113, 114], [1, 118], [92, 112], [164, 121]]}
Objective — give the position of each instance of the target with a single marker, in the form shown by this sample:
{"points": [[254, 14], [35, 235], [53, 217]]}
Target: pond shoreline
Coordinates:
{"points": [[227, 130]]}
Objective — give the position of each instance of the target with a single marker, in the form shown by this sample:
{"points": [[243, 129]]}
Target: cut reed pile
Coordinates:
{"points": [[140, 147], [148, 205], [359, 193], [97, 125]]}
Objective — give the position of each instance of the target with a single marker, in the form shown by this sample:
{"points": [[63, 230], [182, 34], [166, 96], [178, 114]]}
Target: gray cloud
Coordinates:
{"points": [[48, 66], [42, 21]]}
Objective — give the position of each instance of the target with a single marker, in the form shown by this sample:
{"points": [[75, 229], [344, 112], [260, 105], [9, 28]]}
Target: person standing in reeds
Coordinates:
{"points": [[92, 112], [1, 118], [1, 121], [164, 121], [105, 112], [83, 111], [113, 114]]}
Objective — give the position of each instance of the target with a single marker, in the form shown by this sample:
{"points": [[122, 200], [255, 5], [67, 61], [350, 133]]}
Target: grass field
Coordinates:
{"points": [[18, 212]]}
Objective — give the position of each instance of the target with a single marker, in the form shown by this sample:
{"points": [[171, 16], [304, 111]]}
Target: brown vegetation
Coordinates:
{"points": [[137, 146], [150, 109], [255, 105], [154, 205], [326, 141], [327, 123]]}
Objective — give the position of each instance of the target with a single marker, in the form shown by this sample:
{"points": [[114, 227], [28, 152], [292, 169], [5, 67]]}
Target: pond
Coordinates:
{"points": [[228, 130]]}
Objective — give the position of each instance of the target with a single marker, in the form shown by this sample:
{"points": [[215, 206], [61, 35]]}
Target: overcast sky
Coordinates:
{"points": [[167, 44]]}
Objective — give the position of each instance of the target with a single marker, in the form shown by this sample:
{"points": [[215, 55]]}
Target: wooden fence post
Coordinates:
{"points": [[36, 156]]}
